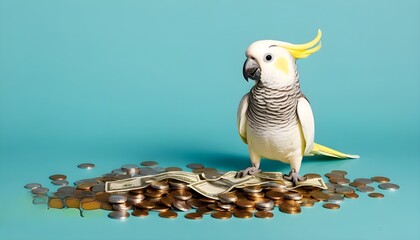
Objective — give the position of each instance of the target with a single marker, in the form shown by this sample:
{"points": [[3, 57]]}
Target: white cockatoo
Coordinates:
{"points": [[275, 119]]}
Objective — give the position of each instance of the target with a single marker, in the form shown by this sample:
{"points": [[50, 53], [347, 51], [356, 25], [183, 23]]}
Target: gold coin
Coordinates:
{"points": [[90, 204], [242, 214], [380, 179], [376, 195], [140, 213], [221, 215], [263, 214], [331, 206], [55, 203], [72, 202], [168, 214], [194, 216], [58, 177]]}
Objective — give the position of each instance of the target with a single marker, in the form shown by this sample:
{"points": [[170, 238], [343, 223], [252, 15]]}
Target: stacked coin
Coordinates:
{"points": [[170, 197]]}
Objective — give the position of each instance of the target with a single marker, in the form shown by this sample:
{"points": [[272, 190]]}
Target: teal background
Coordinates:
{"points": [[117, 82]]}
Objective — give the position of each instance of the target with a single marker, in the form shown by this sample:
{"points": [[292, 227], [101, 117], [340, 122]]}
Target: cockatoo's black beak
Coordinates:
{"points": [[251, 69]]}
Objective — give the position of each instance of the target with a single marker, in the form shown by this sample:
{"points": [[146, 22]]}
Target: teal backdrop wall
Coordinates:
{"points": [[117, 82]]}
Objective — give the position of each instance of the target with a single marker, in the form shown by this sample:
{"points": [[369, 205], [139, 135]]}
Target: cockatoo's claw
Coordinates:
{"points": [[294, 177], [247, 171]]}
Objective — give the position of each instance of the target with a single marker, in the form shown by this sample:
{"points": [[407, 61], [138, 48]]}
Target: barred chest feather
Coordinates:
{"points": [[273, 109]]}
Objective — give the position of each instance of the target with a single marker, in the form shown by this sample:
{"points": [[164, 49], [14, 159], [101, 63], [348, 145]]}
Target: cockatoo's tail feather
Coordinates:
{"points": [[326, 151]]}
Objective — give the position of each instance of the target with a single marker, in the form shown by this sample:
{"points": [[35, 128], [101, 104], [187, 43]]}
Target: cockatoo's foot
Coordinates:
{"points": [[294, 177], [248, 171]]}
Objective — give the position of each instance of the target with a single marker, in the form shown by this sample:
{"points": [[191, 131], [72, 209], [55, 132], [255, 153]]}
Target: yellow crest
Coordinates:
{"points": [[303, 50]]}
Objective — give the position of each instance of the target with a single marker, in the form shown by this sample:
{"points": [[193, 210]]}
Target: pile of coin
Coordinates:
{"points": [[171, 197]]}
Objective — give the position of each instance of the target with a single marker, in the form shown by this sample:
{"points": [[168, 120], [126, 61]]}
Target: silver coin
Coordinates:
{"points": [[211, 175], [118, 215], [40, 200], [160, 185], [175, 184], [181, 205], [293, 196], [40, 191], [265, 204], [252, 189], [388, 186], [365, 189], [130, 169], [122, 206], [195, 166], [159, 169], [364, 180], [336, 198], [60, 182], [32, 185], [86, 165], [117, 198]]}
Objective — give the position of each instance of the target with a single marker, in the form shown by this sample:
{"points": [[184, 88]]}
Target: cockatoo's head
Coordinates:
{"points": [[274, 62]]}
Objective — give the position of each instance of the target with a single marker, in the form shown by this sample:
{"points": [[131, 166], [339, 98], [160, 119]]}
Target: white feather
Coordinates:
{"points": [[241, 117], [307, 123]]}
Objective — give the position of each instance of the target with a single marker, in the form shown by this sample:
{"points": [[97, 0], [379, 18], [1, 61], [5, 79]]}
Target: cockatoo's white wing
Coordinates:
{"points": [[307, 123], [241, 120]]}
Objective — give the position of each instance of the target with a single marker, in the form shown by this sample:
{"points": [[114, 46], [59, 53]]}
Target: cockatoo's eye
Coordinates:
{"points": [[268, 57]]}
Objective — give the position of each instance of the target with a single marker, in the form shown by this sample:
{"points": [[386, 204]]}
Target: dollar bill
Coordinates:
{"points": [[211, 188], [144, 181]]}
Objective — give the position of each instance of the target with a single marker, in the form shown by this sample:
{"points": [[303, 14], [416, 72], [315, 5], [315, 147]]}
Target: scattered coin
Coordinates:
{"points": [[263, 214], [388, 186], [86, 165], [195, 166], [376, 195], [32, 185], [40, 191], [364, 180], [149, 163], [118, 215], [312, 175], [140, 213], [58, 177], [357, 184], [340, 172], [40, 200], [173, 169], [351, 195], [168, 214], [242, 214], [194, 216], [331, 206], [380, 179], [60, 182], [365, 189], [221, 215]]}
